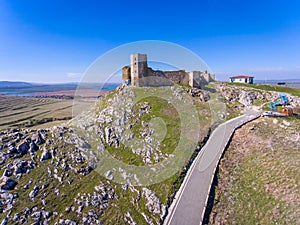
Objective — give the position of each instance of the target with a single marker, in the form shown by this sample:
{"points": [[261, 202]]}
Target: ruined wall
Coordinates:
{"points": [[139, 75], [178, 77], [195, 79], [208, 77], [126, 75], [156, 78]]}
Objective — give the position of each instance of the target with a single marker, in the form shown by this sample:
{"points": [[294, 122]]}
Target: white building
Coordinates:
{"points": [[242, 79]]}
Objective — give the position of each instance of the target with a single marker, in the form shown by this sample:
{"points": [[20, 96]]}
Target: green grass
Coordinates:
{"points": [[252, 203], [125, 154], [103, 103], [232, 111], [258, 176], [159, 108], [292, 91]]}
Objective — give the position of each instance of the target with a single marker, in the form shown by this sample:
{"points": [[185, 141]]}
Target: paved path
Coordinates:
{"points": [[190, 201]]}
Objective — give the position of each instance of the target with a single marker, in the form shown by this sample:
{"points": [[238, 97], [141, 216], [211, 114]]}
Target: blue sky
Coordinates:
{"points": [[55, 41]]}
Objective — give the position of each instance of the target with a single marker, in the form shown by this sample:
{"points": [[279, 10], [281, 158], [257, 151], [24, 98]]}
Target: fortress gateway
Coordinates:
{"points": [[140, 75]]}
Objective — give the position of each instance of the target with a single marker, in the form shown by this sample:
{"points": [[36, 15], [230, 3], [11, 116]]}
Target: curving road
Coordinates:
{"points": [[189, 204]]}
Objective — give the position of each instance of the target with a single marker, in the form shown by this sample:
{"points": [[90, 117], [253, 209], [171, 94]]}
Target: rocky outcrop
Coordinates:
{"points": [[45, 155], [7, 183], [247, 95], [113, 126], [153, 203], [34, 192], [202, 95]]}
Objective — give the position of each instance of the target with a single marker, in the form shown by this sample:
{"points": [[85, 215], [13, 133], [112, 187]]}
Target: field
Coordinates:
{"points": [[33, 112]]}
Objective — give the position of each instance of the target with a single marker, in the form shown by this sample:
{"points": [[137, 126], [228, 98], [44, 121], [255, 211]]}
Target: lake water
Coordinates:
{"points": [[29, 92], [18, 94]]}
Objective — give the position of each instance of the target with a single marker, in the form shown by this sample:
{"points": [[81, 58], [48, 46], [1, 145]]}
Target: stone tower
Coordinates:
{"points": [[139, 68]]}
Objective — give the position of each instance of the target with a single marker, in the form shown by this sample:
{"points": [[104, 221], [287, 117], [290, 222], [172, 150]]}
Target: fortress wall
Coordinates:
{"points": [[208, 77], [155, 73], [156, 78], [178, 77], [126, 74], [139, 74]]}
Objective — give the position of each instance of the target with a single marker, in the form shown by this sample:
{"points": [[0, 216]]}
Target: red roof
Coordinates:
{"points": [[241, 76]]}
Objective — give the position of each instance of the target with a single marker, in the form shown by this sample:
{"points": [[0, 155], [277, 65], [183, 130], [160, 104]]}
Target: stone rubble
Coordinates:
{"points": [[202, 95], [247, 95]]}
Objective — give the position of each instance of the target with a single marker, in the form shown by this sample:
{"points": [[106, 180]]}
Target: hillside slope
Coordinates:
{"points": [[56, 176], [119, 162], [258, 178]]}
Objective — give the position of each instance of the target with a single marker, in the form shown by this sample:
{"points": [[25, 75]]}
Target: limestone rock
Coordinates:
{"points": [[153, 202], [7, 183], [45, 155], [23, 148]]}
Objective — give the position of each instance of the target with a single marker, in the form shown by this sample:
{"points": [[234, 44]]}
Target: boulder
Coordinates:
{"points": [[16, 217], [33, 147], [7, 184], [45, 155], [34, 192], [153, 202], [7, 172], [196, 92], [6, 196], [38, 139], [23, 148], [12, 150], [109, 175], [247, 98], [20, 166]]}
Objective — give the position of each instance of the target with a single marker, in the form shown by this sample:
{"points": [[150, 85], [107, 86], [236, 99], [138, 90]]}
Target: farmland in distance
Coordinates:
{"points": [[24, 112]]}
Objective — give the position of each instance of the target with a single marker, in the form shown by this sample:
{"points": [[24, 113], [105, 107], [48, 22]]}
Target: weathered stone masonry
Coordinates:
{"points": [[139, 74]]}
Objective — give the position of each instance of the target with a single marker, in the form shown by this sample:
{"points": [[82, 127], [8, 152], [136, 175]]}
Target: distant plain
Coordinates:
{"points": [[27, 105]]}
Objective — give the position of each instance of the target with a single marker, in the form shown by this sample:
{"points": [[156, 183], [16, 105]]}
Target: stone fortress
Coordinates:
{"points": [[138, 74]]}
